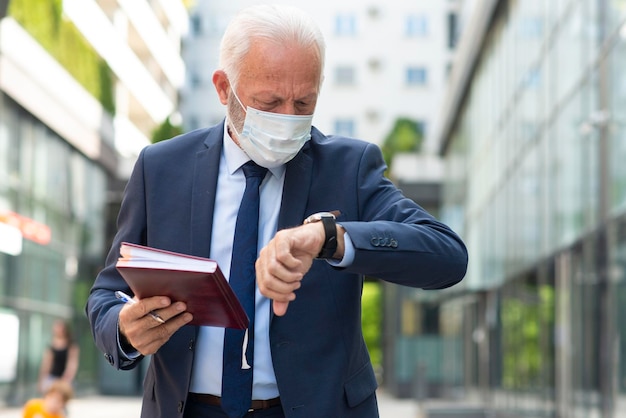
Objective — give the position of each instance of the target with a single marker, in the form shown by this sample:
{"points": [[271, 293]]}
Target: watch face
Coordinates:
{"points": [[321, 215], [316, 217]]}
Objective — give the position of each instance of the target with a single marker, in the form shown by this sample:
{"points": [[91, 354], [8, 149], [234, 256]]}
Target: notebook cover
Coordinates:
{"points": [[208, 296]]}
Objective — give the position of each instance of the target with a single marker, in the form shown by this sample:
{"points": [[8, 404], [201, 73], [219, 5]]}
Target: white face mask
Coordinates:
{"points": [[272, 139]]}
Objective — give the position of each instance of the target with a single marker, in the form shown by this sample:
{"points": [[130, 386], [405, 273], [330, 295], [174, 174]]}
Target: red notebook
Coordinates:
{"points": [[197, 281]]}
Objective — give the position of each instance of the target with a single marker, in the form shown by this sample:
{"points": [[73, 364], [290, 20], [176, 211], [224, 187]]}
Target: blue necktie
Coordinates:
{"points": [[237, 381]]}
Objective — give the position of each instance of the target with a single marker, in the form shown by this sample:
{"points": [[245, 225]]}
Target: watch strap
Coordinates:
{"points": [[330, 242]]}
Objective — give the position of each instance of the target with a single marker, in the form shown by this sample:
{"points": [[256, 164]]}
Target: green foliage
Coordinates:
{"points": [[405, 136], [165, 130], [43, 19], [371, 320], [523, 318]]}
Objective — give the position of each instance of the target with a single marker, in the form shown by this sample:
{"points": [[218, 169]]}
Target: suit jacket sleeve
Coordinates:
{"points": [[102, 306], [395, 239]]}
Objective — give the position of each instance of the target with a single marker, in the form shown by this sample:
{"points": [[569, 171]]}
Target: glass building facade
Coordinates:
{"points": [[81, 91], [535, 155], [48, 185]]}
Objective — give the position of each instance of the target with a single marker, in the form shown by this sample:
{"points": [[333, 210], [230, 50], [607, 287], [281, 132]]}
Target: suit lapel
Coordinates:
{"points": [[296, 190], [206, 170], [295, 194]]}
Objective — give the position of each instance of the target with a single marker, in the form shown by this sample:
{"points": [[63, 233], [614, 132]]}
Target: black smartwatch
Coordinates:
{"points": [[330, 229]]}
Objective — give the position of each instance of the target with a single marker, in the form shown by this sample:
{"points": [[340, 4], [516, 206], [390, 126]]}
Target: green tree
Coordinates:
{"points": [[405, 136], [165, 130], [524, 314], [44, 21]]}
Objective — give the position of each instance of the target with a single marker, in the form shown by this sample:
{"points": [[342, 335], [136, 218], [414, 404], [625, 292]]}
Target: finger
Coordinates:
{"points": [[284, 248], [279, 290], [170, 311], [274, 288], [283, 253], [280, 308], [136, 321], [153, 303], [162, 333], [140, 308], [268, 266], [153, 338]]}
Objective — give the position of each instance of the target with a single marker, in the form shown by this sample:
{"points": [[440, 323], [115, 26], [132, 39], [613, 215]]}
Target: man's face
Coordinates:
{"points": [[276, 78]]}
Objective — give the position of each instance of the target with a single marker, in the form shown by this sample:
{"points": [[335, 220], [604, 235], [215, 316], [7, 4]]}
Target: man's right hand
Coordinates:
{"points": [[144, 332]]}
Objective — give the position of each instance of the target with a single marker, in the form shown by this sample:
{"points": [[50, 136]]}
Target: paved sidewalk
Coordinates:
{"points": [[130, 407], [391, 407]]}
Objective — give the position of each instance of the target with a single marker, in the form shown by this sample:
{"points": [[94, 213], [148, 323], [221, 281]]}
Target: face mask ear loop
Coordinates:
{"points": [[232, 87], [232, 125]]}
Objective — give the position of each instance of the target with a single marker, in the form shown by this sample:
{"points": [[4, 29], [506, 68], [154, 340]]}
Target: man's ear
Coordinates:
{"points": [[222, 85]]}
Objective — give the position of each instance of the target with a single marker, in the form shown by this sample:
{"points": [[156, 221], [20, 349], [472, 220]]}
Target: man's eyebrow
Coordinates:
{"points": [[309, 96], [270, 96]]}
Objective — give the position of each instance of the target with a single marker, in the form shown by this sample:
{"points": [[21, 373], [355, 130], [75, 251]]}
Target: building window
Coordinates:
{"points": [[531, 28], [344, 127], [194, 79], [344, 75], [416, 76], [422, 125], [417, 26], [372, 115], [193, 123], [453, 30], [196, 25], [345, 25], [532, 78], [374, 64], [373, 12], [214, 26]]}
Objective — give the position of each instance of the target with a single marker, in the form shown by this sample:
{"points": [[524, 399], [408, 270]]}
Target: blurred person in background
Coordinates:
{"points": [[60, 359], [53, 404], [327, 217]]}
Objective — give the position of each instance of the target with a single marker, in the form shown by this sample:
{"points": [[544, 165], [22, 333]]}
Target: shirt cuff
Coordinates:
{"points": [[130, 356], [348, 253]]}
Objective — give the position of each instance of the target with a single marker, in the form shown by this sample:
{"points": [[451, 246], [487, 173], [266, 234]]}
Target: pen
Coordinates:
{"points": [[125, 298]]}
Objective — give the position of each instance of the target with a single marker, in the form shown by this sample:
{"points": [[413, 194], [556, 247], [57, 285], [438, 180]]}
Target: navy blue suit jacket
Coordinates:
{"points": [[320, 359]]}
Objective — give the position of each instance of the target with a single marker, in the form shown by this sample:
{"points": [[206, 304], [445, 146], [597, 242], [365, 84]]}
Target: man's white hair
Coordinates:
{"points": [[279, 23]]}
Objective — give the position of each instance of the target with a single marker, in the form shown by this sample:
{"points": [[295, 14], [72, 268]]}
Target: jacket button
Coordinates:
{"points": [[180, 406], [109, 358], [192, 344], [375, 241]]}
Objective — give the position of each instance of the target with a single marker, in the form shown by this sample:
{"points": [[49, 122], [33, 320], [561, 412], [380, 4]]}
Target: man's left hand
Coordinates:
{"points": [[284, 261]]}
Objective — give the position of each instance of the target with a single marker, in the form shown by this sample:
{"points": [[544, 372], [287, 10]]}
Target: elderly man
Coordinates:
{"points": [[327, 217]]}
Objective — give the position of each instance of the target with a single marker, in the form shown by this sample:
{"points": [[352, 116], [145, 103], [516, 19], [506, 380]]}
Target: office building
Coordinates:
{"points": [[82, 85], [384, 60], [532, 133]]}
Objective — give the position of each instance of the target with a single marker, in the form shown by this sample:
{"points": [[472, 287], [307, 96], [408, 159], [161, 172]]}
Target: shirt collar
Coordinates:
{"points": [[236, 157]]}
